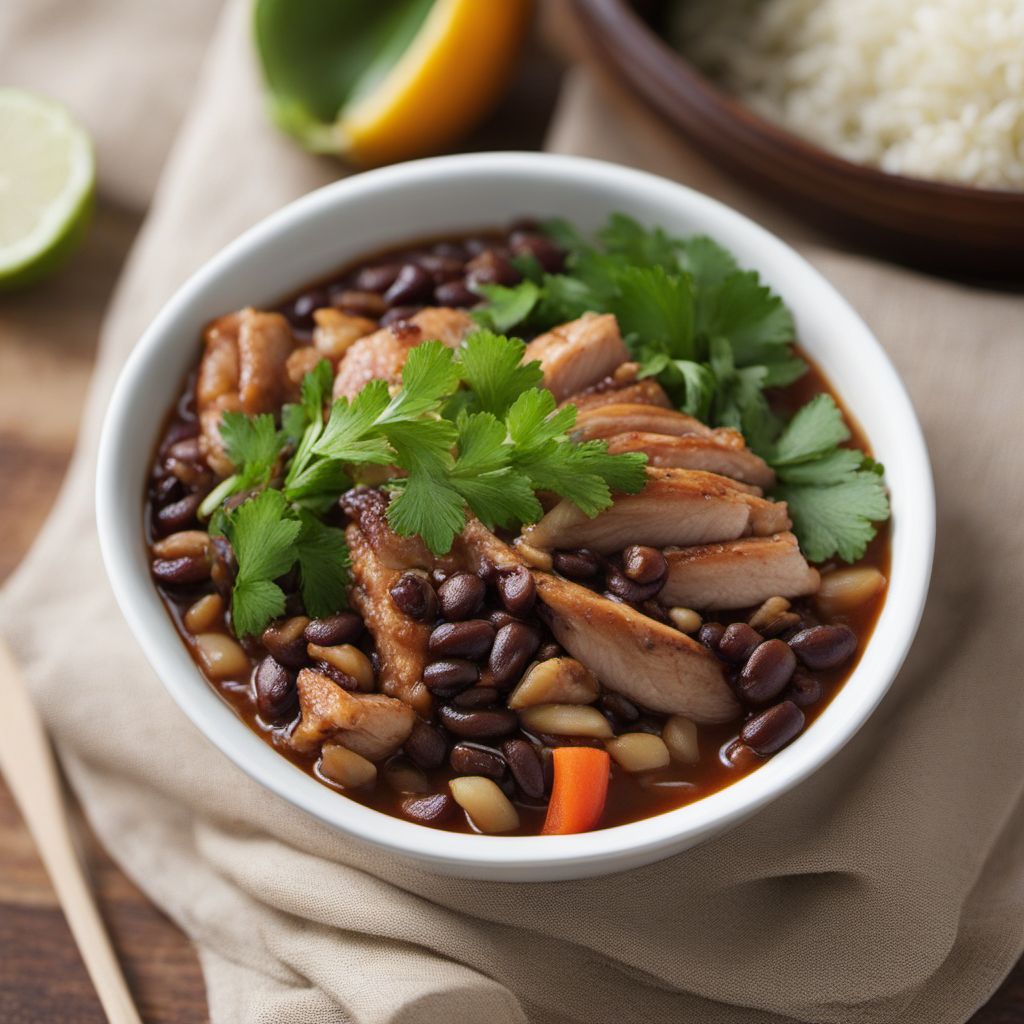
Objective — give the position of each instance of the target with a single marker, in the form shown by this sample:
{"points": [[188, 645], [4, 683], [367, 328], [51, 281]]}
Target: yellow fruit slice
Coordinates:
{"points": [[454, 69], [46, 185]]}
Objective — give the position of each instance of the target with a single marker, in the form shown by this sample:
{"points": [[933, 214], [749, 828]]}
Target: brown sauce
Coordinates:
{"points": [[630, 798]]}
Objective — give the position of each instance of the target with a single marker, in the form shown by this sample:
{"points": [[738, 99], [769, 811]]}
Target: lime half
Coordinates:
{"points": [[47, 173]]}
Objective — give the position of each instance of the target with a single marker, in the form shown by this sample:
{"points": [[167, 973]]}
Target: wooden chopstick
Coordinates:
{"points": [[28, 765]]}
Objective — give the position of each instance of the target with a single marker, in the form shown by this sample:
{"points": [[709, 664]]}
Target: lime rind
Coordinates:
{"points": [[41, 134]]}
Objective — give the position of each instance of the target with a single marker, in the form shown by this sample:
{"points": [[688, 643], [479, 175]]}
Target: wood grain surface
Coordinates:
{"points": [[47, 343]]}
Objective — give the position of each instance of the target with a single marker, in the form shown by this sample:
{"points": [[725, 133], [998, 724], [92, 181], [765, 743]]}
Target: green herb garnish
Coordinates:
{"points": [[717, 338]]}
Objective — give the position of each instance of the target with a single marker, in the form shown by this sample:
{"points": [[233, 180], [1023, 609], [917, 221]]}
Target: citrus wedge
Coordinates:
{"points": [[397, 79], [47, 173]]}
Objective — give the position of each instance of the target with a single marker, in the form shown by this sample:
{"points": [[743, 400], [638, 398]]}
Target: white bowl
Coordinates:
{"points": [[359, 215]]}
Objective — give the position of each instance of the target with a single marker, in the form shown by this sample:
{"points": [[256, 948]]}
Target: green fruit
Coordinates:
{"points": [[47, 177]]}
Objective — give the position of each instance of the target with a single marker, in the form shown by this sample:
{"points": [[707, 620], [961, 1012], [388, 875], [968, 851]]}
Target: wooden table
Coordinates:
{"points": [[47, 341]]}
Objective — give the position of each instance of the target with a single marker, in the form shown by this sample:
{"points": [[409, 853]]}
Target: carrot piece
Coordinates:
{"points": [[579, 790]]}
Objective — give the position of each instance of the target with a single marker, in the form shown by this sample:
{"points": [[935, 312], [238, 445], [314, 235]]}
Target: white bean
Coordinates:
{"points": [[565, 720], [680, 736], [348, 659], [488, 808], [844, 589], [345, 766], [221, 657], [204, 614], [555, 681], [638, 751]]}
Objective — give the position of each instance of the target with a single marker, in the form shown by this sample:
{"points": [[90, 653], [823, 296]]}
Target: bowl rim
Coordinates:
{"points": [[631, 30], [496, 857]]}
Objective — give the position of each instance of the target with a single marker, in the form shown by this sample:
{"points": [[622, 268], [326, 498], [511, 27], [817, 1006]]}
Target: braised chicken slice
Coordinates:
{"points": [[243, 369], [696, 451], [401, 641], [381, 355], [606, 421], [367, 508], [371, 724], [632, 654], [677, 507], [738, 574], [641, 392], [577, 355]]}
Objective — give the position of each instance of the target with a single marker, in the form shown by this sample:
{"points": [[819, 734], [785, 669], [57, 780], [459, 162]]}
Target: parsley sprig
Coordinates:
{"points": [[467, 430], [718, 340]]}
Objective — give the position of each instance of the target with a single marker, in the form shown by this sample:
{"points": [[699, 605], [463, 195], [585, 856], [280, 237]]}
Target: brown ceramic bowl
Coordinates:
{"points": [[942, 227]]}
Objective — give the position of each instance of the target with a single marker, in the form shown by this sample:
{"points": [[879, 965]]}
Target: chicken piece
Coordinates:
{"points": [[381, 355], [641, 392], [371, 724], [336, 332], [739, 574], [606, 421], [648, 662], [696, 451], [367, 508], [476, 546], [302, 361], [578, 354], [243, 369], [401, 641], [677, 507]]}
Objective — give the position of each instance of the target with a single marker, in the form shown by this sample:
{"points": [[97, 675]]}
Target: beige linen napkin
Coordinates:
{"points": [[886, 888]]}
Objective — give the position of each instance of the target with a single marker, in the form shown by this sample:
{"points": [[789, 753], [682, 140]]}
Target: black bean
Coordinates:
{"points": [[517, 590], [402, 776], [469, 639], [767, 672], [440, 268], [394, 318], [628, 590], [476, 697], [461, 596], [491, 267], [300, 313], [185, 450], [453, 250], [738, 642], [225, 565], [524, 763], [711, 634], [167, 490], [514, 646], [428, 810], [425, 745], [548, 651], [487, 571], [542, 249], [277, 699], [581, 564], [178, 430], [450, 675], [469, 759], [803, 690], [617, 705], [412, 284], [824, 646], [438, 576], [644, 564], [455, 293], [773, 729], [178, 515], [645, 723], [478, 724], [182, 570], [377, 279], [739, 755], [343, 628], [284, 640], [499, 617], [414, 596]]}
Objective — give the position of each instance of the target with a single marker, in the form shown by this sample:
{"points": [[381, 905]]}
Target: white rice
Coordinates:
{"points": [[927, 88]]}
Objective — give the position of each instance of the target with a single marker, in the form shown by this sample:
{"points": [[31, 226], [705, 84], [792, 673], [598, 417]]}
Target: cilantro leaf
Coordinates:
{"points": [[506, 307], [323, 566], [832, 468], [252, 443], [836, 519], [347, 436], [428, 505], [657, 307], [263, 538], [625, 238], [491, 368], [532, 420], [429, 376], [750, 315], [707, 262], [814, 431]]}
